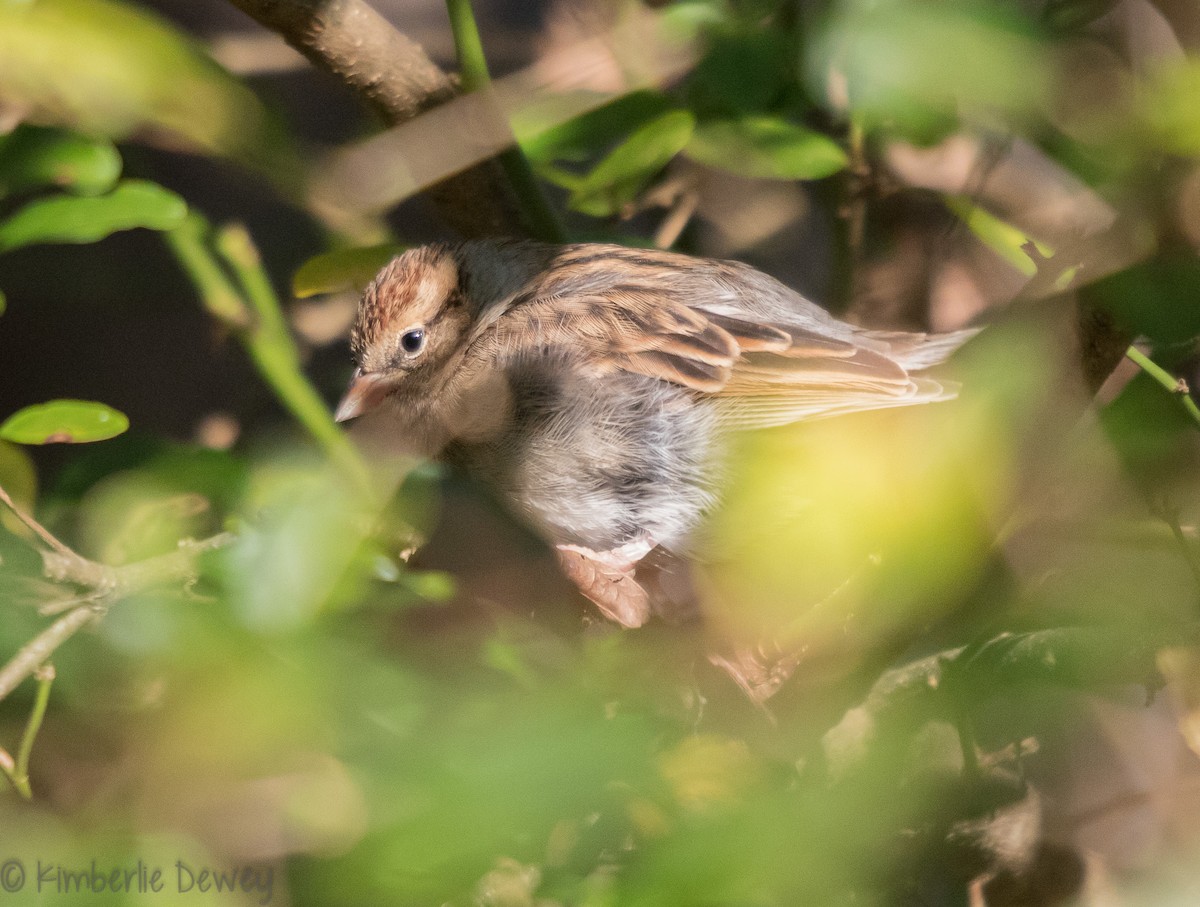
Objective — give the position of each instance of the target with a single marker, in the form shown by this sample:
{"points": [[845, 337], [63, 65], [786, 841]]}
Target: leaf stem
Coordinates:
{"points": [[18, 774], [542, 220], [1172, 383], [247, 304]]}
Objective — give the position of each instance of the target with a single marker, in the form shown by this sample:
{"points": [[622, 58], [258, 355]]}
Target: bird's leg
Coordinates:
{"points": [[759, 670], [607, 578]]}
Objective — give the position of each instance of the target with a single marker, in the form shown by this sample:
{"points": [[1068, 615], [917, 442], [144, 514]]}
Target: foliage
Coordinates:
{"points": [[272, 683]]}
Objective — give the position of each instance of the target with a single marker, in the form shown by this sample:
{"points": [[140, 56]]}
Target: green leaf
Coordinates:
{"points": [[1156, 297], [1002, 238], [112, 69], [918, 67], [19, 478], [1170, 107], [74, 219], [546, 137], [766, 148], [1072, 15], [33, 156], [744, 70], [63, 422], [617, 179], [342, 269]]}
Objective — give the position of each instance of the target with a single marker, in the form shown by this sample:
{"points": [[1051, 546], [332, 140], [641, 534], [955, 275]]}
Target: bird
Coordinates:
{"points": [[592, 386]]}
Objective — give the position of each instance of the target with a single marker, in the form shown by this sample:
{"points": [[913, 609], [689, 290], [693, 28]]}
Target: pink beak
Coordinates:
{"points": [[364, 394]]}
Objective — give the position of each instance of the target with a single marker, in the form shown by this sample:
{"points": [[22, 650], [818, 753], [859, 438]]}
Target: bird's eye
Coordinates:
{"points": [[412, 341]]}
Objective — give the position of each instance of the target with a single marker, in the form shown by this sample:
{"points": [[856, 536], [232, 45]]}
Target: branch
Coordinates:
{"points": [[107, 584], [396, 79], [251, 310]]}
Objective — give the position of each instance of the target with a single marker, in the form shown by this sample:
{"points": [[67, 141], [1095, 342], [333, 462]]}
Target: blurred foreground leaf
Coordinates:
{"points": [[63, 422], [581, 136], [19, 479], [1004, 239], [620, 176], [31, 157], [342, 270], [745, 69], [1170, 107], [79, 219], [113, 69], [916, 65], [766, 148], [1156, 298]]}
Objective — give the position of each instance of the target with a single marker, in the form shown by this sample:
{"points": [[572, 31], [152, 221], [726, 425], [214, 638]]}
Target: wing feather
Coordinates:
{"points": [[686, 326]]}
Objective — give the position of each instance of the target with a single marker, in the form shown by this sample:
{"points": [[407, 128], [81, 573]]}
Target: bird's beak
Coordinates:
{"points": [[364, 394]]}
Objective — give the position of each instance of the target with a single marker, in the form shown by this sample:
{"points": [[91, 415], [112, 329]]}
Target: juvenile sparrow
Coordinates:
{"points": [[591, 384]]}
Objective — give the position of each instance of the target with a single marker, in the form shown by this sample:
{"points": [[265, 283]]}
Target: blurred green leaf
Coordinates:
{"points": [[1075, 656], [19, 478], [917, 66], [31, 156], [304, 552], [1072, 15], [766, 148], [63, 422], [1148, 428], [81, 219], [1156, 298], [342, 269], [617, 179], [1002, 238], [1170, 107], [543, 138], [112, 69], [744, 70], [430, 585]]}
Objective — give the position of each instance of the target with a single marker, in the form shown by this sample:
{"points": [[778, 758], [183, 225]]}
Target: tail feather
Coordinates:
{"points": [[916, 352]]}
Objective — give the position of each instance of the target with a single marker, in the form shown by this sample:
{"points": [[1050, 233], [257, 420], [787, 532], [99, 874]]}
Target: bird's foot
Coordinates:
{"points": [[607, 579]]}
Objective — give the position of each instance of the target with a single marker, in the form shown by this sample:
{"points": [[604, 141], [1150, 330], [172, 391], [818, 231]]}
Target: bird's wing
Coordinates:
{"points": [[705, 328]]}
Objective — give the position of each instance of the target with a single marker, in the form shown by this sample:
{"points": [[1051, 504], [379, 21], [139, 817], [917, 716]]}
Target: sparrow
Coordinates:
{"points": [[591, 385]]}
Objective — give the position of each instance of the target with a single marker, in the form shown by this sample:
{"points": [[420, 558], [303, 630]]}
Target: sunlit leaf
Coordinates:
{"points": [[544, 137], [113, 69], [63, 422], [32, 156], [766, 148], [1003, 238], [81, 219], [430, 585], [1170, 107], [342, 269], [617, 179]]}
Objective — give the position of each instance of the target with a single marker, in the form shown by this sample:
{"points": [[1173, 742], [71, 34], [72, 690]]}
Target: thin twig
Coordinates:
{"points": [[38, 529], [18, 773], [34, 653], [110, 584], [107, 585], [1172, 383]]}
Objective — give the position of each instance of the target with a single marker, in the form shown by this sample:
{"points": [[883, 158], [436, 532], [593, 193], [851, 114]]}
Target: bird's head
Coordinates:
{"points": [[413, 318]]}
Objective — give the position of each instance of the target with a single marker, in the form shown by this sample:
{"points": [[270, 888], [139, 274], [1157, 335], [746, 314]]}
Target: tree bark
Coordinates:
{"points": [[396, 79]]}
